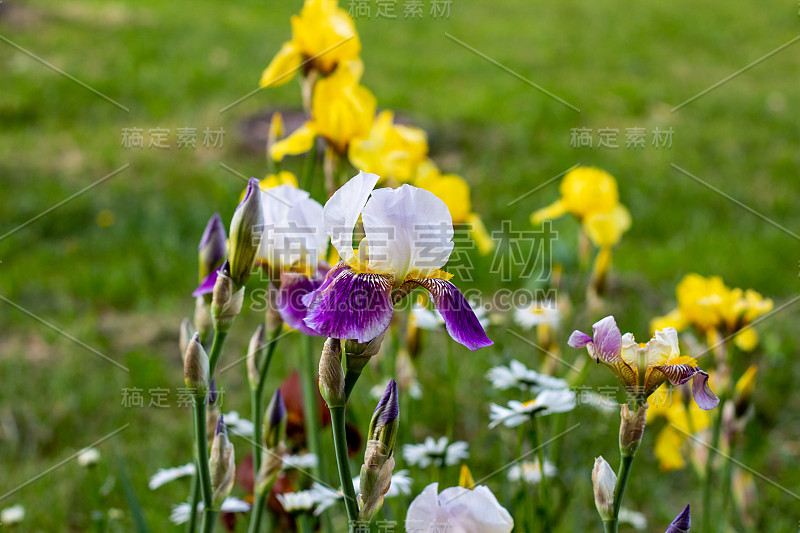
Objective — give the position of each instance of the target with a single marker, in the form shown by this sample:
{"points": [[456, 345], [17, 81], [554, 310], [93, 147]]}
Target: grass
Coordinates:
{"points": [[114, 266]]}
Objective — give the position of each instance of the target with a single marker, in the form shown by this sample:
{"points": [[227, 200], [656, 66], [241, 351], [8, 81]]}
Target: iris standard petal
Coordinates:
{"points": [[293, 230], [408, 230], [349, 305], [342, 210], [294, 286], [607, 339], [459, 318]]}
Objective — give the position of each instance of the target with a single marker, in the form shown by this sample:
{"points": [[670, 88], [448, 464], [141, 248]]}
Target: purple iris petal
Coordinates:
{"points": [[207, 286], [459, 318], [607, 339], [579, 339], [705, 399], [682, 523], [389, 404], [680, 374], [350, 305], [294, 286]]}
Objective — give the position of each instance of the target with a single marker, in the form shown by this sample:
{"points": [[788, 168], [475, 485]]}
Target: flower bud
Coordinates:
{"points": [[212, 410], [604, 480], [275, 418], [186, 334], [226, 303], [222, 464], [331, 374], [195, 366], [682, 522], [203, 321], [384, 423], [271, 466], [255, 351], [631, 429], [245, 235], [213, 246]]}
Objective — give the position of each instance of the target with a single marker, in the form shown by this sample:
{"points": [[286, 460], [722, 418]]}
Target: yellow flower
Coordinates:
{"points": [[710, 305], [342, 110], [454, 191], [392, 151], [323, 36], [584, 190], [605, 229], [681, 420]]}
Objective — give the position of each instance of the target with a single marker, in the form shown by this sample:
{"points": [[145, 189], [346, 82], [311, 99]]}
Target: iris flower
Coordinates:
{"points": [[342, 110], [713, 307], [408, 240], [642, 368], [393, 151], [323, 36]]}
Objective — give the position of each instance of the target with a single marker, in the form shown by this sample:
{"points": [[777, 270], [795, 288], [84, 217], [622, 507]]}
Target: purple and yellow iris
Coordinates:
{"points": [[643, 368], [408, 239]]}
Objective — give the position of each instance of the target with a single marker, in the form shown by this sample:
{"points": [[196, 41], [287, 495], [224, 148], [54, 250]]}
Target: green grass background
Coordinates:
{"points": [[123, 289]]}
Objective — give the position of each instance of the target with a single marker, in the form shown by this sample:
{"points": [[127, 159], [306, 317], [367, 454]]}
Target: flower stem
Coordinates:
{"points": [[543, 502], [304, 521], [707, 515], [257, 400], [610, 526], [216, 351], [343, 463], [191, 525], [452, 382], [202, 462], [308, 375], [258, 511]]}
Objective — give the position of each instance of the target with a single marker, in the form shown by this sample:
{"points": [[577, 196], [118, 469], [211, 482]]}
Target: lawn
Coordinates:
{"points": [[108, 273]]}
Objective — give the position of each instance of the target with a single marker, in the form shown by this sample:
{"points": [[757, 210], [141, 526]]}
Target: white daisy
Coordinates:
{"points": [[324, 497], [88, 457], [433, 451], [520, 376], [548, 402], [180, 513], [300, 501], [538, 313], [165, 475], [12, 515], [531, 472], [305, 461], [598, 401], [414, 390], [238, 425]]}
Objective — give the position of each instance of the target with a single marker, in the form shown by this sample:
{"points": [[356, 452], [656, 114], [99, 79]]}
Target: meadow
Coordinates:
{"points": [[501, 88]]}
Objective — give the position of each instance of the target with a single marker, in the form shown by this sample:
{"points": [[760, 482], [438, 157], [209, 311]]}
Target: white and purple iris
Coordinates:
{"points": [[644, 368], [408, 239]]}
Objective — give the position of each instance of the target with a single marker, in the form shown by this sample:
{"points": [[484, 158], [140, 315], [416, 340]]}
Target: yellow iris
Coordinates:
{"points": [[342, 110], [392, 151], [711, 306], [682, 419], [323, 36]]}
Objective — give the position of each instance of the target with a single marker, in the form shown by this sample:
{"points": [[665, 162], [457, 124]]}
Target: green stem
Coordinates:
{"points": [[216, 351], [191, 525], [210, 521], [707, 515], [257, 400], [619, 491], [726, 487], [258, 511], [452, 382], [543, 502], [308, 169], [308, 375], [343, 463], [304, 521], [202, 462]]}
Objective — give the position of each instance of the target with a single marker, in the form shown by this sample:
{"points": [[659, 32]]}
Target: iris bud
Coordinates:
{"points": [[195, 366], [604, 480], [331, 374], [222, 464], [275, 417], [213, 246], [226, 303], [631, 429], [245, 235]]}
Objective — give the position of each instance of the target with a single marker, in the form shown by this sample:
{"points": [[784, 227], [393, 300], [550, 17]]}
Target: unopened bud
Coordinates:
{"points": [[213, 246], [222, 464], [195, 366], [331, 374], [682, 522], [186, 334], [275, 418], [604, 480], [271, 466], [255, 351], [227, 302], [631, 428], [245, 234], [384, 423]]}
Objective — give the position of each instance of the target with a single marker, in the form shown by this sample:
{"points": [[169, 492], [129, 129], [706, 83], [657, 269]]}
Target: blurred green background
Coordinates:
{"points": [[114, 266]]}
